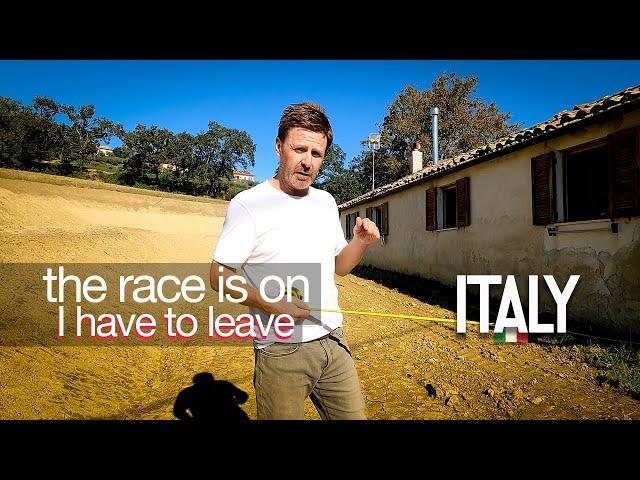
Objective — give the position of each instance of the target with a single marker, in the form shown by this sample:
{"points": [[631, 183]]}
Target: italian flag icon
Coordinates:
{"points": [[510, 335]]}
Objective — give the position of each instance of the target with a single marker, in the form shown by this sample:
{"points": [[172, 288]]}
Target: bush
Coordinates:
{"points": [[110, 159], [235, 188]]}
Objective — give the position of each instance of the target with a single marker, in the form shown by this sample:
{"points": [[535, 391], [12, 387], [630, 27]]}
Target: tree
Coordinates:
{"points": [[147, 149], [134, 151], [46, 108], [332, 163], [182, 160], [49, 143], [335, 178], [465, 122], [343, 187], [388, 168], [85, 132], [158, 140], [236, 187], [9, 144], [121, 152], [28, 135], [217, 152], [200, 164]]}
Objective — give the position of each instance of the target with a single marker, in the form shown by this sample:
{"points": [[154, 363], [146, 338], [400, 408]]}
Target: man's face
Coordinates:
{"points": [[301, 155]]}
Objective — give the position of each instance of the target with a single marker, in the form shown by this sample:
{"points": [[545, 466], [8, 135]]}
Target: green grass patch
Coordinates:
{"points": [[103, 167], [617, 361], [619, 366]]}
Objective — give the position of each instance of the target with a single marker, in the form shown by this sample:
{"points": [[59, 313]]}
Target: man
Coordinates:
{"points": [[286, 221]]}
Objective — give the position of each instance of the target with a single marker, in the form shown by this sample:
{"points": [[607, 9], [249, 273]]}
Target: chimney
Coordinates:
{"points": [[434, 132], [416, 158]]}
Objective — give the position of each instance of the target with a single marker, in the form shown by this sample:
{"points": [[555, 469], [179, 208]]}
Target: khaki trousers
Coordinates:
{"points": [[287, 373]]}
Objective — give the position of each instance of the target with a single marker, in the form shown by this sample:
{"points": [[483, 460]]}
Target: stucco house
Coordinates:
{"points": [[104, 150], [561, 197], [243, 175]]}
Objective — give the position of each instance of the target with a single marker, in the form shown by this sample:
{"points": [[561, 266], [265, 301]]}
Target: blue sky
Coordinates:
{"points": [[250, 95]]}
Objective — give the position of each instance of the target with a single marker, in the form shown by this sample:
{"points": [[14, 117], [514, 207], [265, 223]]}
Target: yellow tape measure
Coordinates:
{"points": [[393, 315], [298, 294]]}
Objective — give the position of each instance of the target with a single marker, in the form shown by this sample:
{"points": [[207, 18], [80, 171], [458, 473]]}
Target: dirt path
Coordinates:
{"points": [[469, 376]]}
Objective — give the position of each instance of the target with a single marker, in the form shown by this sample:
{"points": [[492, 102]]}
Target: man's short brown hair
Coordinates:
{"points": [[307, 115]]}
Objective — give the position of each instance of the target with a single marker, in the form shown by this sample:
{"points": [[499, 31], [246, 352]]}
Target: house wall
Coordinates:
{"points": [[243, 177], [502, 239]]}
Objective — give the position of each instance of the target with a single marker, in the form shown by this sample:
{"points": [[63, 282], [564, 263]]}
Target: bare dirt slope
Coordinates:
{"points": [[469, 376]]}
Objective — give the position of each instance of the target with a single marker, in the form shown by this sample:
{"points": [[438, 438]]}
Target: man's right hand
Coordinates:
{"points": [[297, 309]]}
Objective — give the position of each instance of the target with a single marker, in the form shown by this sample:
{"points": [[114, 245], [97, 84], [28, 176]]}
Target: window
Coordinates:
{"points": [[593, 181], [448, 206], [586, 182]]}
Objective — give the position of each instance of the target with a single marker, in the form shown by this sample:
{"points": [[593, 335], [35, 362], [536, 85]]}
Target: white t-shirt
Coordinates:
{"points": [[265, 225]]}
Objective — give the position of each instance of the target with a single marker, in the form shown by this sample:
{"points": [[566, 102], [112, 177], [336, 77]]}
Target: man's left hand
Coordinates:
{"points": [[365, 231]]}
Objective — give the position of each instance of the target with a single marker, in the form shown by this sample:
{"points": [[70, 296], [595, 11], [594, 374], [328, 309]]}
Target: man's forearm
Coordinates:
{"points": [[253, 296], [350, 256], [295, 308]]}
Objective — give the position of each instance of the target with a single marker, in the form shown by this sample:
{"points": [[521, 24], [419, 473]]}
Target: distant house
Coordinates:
{"points": [[169, 166], [243, 175], [561, 197], [104, 150]]}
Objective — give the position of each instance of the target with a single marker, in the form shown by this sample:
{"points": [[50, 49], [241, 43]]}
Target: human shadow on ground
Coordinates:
{"points": [[211, 400]]}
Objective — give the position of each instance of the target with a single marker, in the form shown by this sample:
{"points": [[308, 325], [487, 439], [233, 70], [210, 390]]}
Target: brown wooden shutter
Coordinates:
{"points": [[384, 218], [354, 219], [463, 217], [368, 213], [347, 222], [352, 223], [623, 174], [431, 209], [542, 189]]}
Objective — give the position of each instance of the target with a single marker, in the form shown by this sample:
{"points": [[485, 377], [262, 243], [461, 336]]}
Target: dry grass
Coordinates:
{"points": [[82, 183]]}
